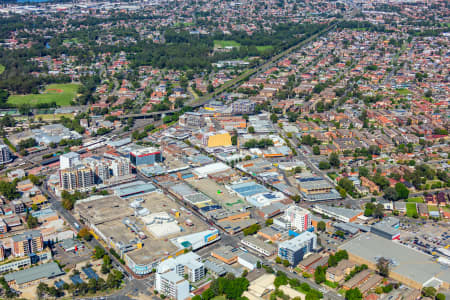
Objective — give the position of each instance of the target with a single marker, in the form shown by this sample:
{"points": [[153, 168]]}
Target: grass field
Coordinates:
{"points": [[219, 298], [433, 208], [446, 209], [62, 94], [415, 199], [403, 92], [73, 40], [332, 175], [411, 209], [263, 48], [223, 44], [2, 69]]}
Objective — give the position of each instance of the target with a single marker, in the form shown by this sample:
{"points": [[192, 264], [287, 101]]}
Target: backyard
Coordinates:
{"points": [[411, 209], [415, 200]]}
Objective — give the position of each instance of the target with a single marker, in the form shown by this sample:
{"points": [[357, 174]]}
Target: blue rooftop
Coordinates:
{"points": [[247, 189]]}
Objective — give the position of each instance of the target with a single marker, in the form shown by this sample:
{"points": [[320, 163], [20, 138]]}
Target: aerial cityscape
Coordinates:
{"points": [[225, 150]]}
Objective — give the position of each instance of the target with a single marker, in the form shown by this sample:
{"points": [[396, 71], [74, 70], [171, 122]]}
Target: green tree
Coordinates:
{"points": [[383, 266], [252, 229], [320, 275], [353, 294], [363, 171], [346, 184], [280, 280], [316, 150], [324, 165], [334, 160], [234, 140], [99, 252], [440, 296], [321, 226], [401, 190], [390, 194], [207, 294], [85, 234], [274, 118], [429, 291], [251, 129], [9, 190], [32, 222]]}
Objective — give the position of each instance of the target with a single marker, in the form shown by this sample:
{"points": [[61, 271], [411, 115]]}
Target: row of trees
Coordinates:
{"points": [[262, 143], [113, 281], [68, 199], [231, 287]]}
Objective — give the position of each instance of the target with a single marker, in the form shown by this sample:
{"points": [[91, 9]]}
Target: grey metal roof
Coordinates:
{"points": [[406, 262], [341, 211], [346, 227], [249, 258], [259, 243], [27, 235], [42, 271], [217, 269]]}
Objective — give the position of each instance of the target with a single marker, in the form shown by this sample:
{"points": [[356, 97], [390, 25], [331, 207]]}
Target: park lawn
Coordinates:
{"points": [[430, 182], [415, 199], [446, 209], [264, 48], [331, 284], [411, 209], [72, 40], [51, 117], [433, 208], [332, 175], [403, 92], [219, 298], [2, 69], [62, 94], [223, 44], [193, 92]]}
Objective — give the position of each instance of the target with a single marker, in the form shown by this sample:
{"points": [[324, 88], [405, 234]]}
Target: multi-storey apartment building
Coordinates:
{"points": [[27, 243]]}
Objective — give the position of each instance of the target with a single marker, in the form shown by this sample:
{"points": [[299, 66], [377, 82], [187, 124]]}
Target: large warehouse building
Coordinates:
{"points": [[409, 266]]}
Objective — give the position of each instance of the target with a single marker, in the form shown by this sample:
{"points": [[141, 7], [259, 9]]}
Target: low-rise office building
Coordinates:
{"points": [[388, 228], [259, 246], [339, 213], [226, 254], [27, 277]]}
